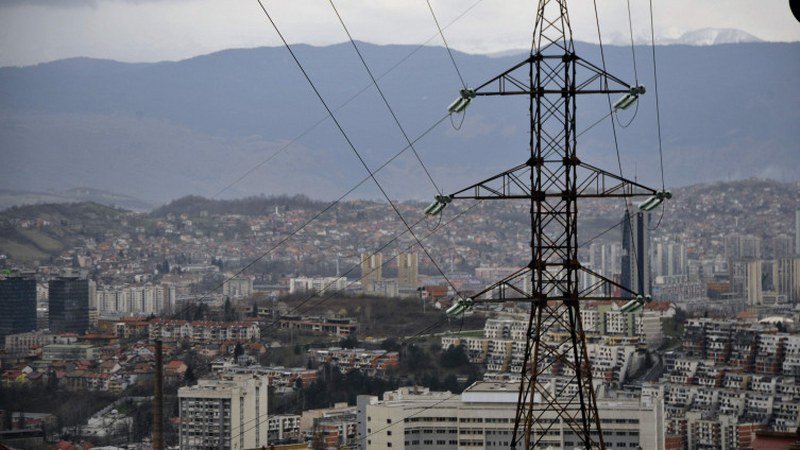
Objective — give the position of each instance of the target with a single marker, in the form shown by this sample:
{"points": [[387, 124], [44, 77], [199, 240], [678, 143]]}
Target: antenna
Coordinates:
{"points": [[556, 375]]}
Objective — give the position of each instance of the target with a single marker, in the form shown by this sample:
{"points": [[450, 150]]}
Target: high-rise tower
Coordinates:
{"points": [[69, 305], [636, 253], [17, 305]]}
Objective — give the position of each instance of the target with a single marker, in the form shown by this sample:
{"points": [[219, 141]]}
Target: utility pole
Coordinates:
{"points": [[158, 399], [556, 376]]}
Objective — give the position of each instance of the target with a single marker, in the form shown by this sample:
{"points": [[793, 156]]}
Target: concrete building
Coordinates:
{"points": [[203, 332], [69, 305], [284, 428], [782, 246], [237, 287], [68, 352], [140, 299], [786, 278], [17, 305], [335, 326], [319, 285], [669, 259], [371, 270], [753, 289], [22, 343], [742, 246], [230, 413], [605, 258], [483, 418], [408, 271], [797, 232]]}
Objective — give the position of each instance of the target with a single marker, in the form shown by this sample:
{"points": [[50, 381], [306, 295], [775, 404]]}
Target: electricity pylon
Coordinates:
{"points": [[553, 179]]}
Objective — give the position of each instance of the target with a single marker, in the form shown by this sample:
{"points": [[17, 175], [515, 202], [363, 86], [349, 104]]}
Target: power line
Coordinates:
{"points": [[383, 96], [658, 109], [313, 218], [347, 102], [460, 213], [405, 341], [449, 52], [419, 334], [627, 213], [350, 142]]}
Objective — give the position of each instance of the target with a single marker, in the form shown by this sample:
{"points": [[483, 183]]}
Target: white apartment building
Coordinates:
{"points": [[203, 332], [483, 418], [237, 287], [230, 413], [139, 299], [319, 285]]}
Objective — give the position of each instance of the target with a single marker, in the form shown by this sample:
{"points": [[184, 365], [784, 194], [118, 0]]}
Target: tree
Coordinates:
{"points": [[455, 356], [417, 358], [391, 345], [351, 341], [229, 313], [238, 351]]}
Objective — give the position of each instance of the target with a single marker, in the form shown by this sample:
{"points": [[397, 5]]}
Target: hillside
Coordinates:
{"points": [[162, 131], [38, 232], [701, 213]]}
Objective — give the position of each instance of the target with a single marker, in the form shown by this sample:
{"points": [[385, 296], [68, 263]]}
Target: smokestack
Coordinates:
{"points": [[158, 400]]}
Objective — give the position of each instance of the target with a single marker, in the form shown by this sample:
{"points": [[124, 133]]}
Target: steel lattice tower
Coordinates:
{"points": [[552, 179]]}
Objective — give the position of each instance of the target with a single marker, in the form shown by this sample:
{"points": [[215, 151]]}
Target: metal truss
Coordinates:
{"points": [[553, 179]]}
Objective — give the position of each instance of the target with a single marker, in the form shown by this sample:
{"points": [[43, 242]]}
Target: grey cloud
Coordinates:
{"points": [[73, 3]]}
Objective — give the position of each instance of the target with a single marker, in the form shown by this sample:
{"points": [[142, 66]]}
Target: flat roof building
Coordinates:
{"points": [[17, 305], [229, 413], [483, 418]]}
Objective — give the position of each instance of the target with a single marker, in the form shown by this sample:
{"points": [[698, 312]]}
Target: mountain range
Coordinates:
{"points": [[160, 131]]}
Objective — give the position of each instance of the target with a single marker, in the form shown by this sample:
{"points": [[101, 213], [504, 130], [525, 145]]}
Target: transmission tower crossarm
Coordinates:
{"points": [[602, 279], [509, 82], [506, 185], [593, 183], [601, 183]]}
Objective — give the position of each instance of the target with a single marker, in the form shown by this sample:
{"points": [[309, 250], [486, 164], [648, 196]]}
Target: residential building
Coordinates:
{"points": [[140, 299], [17, 305], [237, 287], [669, 259], [483, 417], [229, 413], [408, 270], [752, 283], [742, 246], [371, 270], [782, 246], [797, 232], [786, 278], [336, 326], [202, 332], [23, 343], [319, 285]]}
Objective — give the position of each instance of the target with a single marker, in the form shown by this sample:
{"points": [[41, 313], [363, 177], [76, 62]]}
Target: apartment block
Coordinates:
{"points": [[230, 413]]}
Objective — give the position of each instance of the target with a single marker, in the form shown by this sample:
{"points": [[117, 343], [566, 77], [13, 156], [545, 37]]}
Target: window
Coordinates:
{"points": [[389, 433], [388, 420]]}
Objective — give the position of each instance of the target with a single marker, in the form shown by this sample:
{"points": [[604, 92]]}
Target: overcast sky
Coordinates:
{"points": [[33, 31]]}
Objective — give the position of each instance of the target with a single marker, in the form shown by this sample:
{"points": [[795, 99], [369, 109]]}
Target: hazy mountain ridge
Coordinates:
{"points": [[10, 198], [166, 130]]}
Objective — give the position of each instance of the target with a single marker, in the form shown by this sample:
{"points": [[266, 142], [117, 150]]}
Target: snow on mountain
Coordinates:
{"points": [[715, 36]]}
